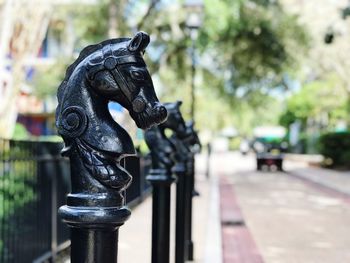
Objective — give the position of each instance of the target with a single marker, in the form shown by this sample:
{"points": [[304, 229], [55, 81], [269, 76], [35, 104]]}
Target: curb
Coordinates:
{"points": [[213, 246]]}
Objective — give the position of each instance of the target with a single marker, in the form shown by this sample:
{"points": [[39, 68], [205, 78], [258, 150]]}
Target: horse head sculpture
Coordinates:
{"points": [[175, 121], [113, 70], [162, 149], [177, 125], [192, 140]]}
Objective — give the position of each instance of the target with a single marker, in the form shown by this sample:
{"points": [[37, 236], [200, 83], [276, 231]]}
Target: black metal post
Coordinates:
{"points": [[161, 182], [160, 176], [181, 213], [96, 144], [174, 145], [193, 146], [182, 139], [189, 194]]}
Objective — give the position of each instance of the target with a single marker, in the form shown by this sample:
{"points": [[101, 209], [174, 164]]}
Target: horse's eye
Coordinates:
{"points": [[138, 75]]}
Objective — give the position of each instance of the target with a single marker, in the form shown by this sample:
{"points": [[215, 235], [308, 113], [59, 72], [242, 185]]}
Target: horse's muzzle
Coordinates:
{"points": [[159, 113], [149, 117]]}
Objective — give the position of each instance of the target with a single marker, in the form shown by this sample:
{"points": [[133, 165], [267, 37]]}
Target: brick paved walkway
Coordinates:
{"points": [[293, 220], [237, 242]]}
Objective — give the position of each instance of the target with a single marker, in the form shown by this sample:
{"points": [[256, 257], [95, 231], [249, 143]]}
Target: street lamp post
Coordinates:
{"points": [[194, 21]]}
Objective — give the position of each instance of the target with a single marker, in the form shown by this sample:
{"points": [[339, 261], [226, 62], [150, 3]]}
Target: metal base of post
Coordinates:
{"points": [[161, 181], [94, 216], [91, 227], [190, 250]]}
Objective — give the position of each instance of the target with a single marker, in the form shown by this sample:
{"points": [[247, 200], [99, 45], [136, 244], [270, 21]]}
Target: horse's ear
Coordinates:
{"points": [[179, 103], [139, 42]]}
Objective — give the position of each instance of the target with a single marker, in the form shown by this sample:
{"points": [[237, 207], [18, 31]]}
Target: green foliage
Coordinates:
{"points": [[254, 42], [234, 143], [47, 79], [265, 111], [20, 132], [246, 47], [90, 22], [18, 191], [315, 99], [336, 149], [16, 188], [287, 118]]}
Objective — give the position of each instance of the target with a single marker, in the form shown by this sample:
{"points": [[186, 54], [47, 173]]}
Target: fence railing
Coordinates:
{"points": [[34, 181]]}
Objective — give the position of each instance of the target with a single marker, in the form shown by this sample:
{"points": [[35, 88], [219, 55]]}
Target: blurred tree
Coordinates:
{"points": [[324, 101], [245, 51], [330, 52], [253, 44], [246, 47], [48, 78], [21, 34]]}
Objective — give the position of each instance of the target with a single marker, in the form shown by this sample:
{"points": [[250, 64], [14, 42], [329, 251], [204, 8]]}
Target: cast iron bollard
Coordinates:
{"points": [[160, 176], [176, 123], [113, 70], [193, 145]]}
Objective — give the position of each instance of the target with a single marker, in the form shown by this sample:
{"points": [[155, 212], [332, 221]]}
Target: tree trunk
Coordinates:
{"points": [[21, 36]]}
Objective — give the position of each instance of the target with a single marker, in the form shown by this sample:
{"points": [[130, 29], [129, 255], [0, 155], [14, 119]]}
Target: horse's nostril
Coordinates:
{"points": [[162, 111], [159, 113]]}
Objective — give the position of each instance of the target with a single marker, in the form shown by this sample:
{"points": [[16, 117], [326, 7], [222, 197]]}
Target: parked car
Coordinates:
{"points": [[269, 145]]}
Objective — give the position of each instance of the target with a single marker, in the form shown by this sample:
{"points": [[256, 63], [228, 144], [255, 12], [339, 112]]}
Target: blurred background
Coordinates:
{"points": [[263, 76], [237, 65]]}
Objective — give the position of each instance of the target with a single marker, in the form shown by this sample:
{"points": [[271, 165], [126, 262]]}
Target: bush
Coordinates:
{"points": [[336, 149]]}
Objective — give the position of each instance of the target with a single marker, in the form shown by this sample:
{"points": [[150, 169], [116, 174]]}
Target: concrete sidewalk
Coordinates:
{"points": [[135, 235], [336, 180]]}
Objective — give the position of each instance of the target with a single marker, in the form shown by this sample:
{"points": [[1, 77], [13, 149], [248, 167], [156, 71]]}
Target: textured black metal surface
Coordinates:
{"points": [[174, 154], [194, 145], [187, 143], [162, 149], [160, 176], [113, 70], [176, 123]]}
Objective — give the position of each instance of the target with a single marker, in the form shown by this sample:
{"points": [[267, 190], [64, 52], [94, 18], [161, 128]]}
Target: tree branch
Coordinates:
{"points": [[148, 12]]}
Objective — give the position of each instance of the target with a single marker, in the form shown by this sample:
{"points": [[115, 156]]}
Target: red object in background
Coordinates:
{"points": [[270, 161], [35, 125]]}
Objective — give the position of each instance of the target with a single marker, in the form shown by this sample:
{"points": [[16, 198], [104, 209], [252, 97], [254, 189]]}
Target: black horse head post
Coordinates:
{"points": [[113, 70], [176, 123], [160, 176], [163, 153], [192, 140], [194, 146]]}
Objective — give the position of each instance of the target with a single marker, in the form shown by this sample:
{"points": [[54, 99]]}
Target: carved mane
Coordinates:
{"points": [[87, 51]]}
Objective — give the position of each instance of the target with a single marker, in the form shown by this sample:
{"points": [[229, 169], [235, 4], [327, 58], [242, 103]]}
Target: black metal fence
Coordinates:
{"points": [[34, 181], [138, 167]]}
